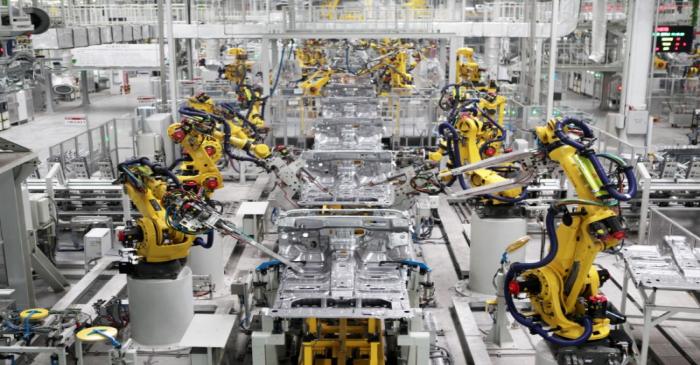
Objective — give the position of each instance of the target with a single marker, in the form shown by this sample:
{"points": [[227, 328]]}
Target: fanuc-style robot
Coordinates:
{"points": [[470, 134], [393, 66], [238, 70], [564, 286], [570, 312], [157, 248], [154, 249]]}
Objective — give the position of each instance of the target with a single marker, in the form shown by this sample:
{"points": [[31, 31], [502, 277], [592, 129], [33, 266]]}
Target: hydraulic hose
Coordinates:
{"points": [[199, 241], [230, 154], [506, 199], [156, 168], [231, 109], [178, 161], [279, 70], [519, 267], [456, 158], [191, 112], [500, 138], [591, 156]]}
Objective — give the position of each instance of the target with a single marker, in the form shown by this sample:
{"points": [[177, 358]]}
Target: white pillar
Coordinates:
{"points": [[491, 51], [638, 50], [640, 21], [212, 50], [172, 58], [265, 65], [537, 81], [553, 37], [599, 27], [443, 56]]}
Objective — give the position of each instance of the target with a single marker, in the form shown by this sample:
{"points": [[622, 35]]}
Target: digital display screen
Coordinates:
{"points": [[674, 38]]}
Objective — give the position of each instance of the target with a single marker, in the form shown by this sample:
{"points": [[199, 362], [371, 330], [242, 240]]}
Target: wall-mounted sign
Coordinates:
{"points": [[674, 38]]}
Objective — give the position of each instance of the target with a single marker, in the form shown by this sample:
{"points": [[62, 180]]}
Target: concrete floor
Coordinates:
{"points": [[48, 129], [662, 133]]}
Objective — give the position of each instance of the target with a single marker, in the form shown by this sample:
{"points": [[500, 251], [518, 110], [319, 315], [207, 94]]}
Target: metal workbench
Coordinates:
{"points": [[640, 263]]}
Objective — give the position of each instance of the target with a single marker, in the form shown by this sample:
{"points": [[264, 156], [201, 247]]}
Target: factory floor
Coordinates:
{"points": [[48, 129]]}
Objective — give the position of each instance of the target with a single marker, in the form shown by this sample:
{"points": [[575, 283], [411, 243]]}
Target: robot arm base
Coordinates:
{"points": [[152, 270]]}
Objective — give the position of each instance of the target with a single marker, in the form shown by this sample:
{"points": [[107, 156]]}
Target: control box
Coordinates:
{"points": [[97, 242]]}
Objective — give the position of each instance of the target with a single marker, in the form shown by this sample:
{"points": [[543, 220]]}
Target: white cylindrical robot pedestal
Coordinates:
{"points": [[489, 238], [160, 310], [210, 261]]}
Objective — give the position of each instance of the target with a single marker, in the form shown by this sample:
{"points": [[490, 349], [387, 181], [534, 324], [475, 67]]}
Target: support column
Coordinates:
{"points": [[265, 64], [553, 38], [172, 58], [275, 53], [84, 97], [455, 44], [264, 342], [536, 97], [13, 234], [161, 53], [534, 56], [633, 104], [492, 58], [442, 52], [48, 92], [189, 42]]}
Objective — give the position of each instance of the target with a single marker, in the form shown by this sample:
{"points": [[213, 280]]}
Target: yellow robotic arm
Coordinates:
{"points": [[160, 250], [237, 71], [464, 142], [240, 140], [310, 56], [195, 136], [564, 286], [202, 102], [468, 70], [314, 84], [250, 98]]}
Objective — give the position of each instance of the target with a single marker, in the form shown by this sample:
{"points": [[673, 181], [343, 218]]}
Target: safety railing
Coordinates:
{"points": [[669, 11], [674, 222], [671, 87], [512, 11], [608, 142], [614, 10], [393, 18], [95, 151], [302, 17], [577, 54], [199, 12]]}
